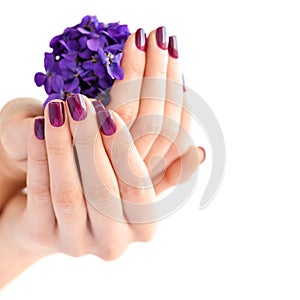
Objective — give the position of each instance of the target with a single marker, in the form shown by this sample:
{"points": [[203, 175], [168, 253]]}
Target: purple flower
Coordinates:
{"points": [[85, 58]]}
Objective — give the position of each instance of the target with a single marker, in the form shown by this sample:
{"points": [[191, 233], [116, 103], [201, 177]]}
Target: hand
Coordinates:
{"points": [[15, 119], [152, 102], [151, 87], [76, 212]]}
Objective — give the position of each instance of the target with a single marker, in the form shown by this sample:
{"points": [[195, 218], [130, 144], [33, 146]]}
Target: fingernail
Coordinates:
{"points": [[183, 83], [56, 114], [39, 126], [141, 39], [98, 105], [204, 152], [77, 107], [106, 122], [161, 38], [173, 47]]}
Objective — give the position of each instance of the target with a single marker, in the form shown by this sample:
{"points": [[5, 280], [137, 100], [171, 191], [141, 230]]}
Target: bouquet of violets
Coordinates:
{"points": [[85, 59]]}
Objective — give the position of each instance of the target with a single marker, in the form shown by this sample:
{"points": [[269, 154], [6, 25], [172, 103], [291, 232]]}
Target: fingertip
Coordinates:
{"points": [[141, 39], [39, 128], [201, 154]]}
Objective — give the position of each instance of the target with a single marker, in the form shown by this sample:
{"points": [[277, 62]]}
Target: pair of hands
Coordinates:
{"points": [[76, 202]]}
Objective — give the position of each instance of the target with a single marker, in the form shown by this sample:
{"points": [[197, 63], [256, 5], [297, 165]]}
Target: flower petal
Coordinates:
{"points": [[88, 65], [39, 78], [102, 56], [57, 83], [114, 48], [49, 61], [100, 70], [115, 71], [72, 86], [93, 44]]}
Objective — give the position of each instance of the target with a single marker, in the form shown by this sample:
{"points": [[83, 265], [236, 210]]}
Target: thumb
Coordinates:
{"points": [[15, 122]]}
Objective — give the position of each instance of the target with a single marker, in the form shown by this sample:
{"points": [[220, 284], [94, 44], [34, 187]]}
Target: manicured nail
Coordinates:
{"points": [[141, 39], [183, 83], [161, 38], [204, 152], [173, 47], [56, 114], [106, 122], [98, 105], [77, 107], [39, 126]]}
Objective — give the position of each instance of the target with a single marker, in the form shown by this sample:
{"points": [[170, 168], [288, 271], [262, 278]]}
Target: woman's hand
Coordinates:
{"points": [[151, 99], [15, 119], [70, 211]]}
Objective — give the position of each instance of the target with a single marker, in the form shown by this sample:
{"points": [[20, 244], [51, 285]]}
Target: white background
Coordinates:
{"points": [[243, 58]]}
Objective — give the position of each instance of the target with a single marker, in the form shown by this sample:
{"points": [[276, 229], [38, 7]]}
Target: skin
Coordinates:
{"points": [[60, 212]]}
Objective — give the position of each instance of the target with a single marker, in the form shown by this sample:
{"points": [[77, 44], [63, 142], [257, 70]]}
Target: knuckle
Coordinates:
{"points": [[41, 193], [153, 125], [39, 159], [160, 71], [145, 233], [110, 255], [111, 252], [57, 147], [76, 251], [86, 138], [127, 113], [68, 201], [136, 190]]}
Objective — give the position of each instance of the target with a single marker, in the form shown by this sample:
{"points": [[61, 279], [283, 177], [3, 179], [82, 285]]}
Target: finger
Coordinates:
{"points": [[39, 208], [172, 110], [148, 125], [125, 94], [67, 199], [183, 141], [134, 182], [105, 212], [15, 123], [98, 178], [181, 170]]}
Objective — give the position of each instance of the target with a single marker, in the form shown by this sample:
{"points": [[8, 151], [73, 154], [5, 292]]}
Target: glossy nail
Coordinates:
{"points": [[141, 39], [173, 47], [56, 114], [161, 38], [77, 107], [106, 122], [39, 128], [98, 105]]}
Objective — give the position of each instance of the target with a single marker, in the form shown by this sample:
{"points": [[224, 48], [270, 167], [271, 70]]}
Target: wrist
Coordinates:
{"points": [[15, 255]]}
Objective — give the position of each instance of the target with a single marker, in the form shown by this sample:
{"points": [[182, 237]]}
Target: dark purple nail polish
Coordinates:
{"points": [[161, 38], [106, 122], [141, 39], [77, 107], [98, 105], [39, 125], [56, 114], [173, 47]]}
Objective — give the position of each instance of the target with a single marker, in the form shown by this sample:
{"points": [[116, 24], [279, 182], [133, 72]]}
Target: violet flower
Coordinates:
{"points": [[85, 59]]}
